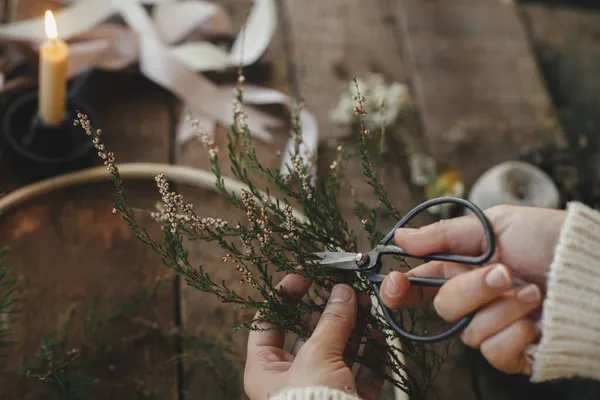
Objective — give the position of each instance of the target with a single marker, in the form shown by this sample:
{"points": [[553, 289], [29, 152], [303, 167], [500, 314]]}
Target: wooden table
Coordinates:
{"points": [[71, 253]]}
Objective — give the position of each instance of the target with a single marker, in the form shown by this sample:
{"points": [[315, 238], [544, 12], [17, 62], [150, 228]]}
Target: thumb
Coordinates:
{"points": [[337, 321]]}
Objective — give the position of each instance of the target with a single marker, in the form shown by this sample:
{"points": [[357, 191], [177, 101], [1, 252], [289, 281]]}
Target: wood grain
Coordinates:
{"points": [[476, 82], [69, 251]]}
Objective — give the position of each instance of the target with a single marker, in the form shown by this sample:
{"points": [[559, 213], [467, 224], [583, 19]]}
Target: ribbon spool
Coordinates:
{"points": [[515, 183]]}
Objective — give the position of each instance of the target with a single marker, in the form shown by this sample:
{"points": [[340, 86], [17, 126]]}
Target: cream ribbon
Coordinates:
{"points": [[161, 44]]}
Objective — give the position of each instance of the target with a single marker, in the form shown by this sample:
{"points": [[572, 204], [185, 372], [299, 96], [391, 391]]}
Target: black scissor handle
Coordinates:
{"points": [[429, 282], [377, 279], [456, 258]]}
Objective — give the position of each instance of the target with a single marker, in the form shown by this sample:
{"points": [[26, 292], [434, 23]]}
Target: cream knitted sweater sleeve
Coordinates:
{"points": [[570, 323], [314, 393]]}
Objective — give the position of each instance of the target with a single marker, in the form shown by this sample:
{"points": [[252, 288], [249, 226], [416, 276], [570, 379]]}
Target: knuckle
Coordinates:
{"points": [[335, 315], [497, 209], [441, 226], [526, 331], [523, 327], [450, 300], [446, 271], [265, 355], [507, 356], [309, 347], [500, 209], [442, 309], [471, 337], [310, 350], [504, 362]]}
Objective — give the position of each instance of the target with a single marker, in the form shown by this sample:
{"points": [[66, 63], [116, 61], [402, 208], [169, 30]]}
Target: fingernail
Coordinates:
{"points": [[498, 277], [406, 230], [340, 294], [530, 294], [391, 287]]}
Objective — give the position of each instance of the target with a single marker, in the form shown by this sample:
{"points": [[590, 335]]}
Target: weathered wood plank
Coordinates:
{"points": [[476, 82], [70, 251], [337, 40]]}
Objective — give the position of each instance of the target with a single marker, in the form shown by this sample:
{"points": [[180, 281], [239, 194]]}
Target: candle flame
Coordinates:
{"points": [[51, 30]]}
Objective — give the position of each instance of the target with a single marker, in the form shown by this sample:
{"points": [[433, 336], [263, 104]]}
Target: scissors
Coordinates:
{"points": [[370, 264]]}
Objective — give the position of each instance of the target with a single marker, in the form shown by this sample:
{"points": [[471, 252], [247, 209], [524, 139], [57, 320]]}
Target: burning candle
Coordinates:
{"points": [[53, 75]]}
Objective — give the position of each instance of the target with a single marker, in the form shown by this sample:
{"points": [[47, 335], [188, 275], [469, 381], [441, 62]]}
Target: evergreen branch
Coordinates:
{"points": [[369, 172], [67, 366], [272, 239]]}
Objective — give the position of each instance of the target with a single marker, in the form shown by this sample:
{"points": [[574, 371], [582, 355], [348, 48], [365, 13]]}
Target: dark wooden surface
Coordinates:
{"points": [[481, 100], [476, 82], [569, 59], [70, 253], [69, 249]]}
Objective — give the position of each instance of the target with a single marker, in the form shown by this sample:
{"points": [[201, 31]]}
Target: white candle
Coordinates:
{"points": [[53, 75]]}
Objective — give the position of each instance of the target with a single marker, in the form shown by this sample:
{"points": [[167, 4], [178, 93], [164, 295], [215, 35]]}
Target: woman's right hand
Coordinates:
{"points": [[503, 327]]}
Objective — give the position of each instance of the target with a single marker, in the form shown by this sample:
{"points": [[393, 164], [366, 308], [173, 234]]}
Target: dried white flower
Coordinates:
{"points": [[290, 223], [382, 102]]}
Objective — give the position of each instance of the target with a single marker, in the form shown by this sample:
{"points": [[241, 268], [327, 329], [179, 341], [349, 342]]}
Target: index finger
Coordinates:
{"points": [[397, 292], [461, 235]]}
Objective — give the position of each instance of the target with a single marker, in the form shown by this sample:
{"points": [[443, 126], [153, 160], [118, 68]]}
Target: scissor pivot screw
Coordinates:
{"points": [[361, 258]]}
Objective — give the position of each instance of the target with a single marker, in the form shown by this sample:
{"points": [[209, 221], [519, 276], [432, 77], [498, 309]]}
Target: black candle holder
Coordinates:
{"points": [[39, 150]]}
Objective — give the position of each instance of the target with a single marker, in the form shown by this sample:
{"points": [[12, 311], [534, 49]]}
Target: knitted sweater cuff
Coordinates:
{"points": [[314, 393], [570, 323]]}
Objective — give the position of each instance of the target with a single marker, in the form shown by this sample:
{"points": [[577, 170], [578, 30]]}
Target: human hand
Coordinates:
{"points": [[320, 360], [503, 326]]}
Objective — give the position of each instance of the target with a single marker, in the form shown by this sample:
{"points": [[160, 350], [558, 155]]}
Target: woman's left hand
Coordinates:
{"points": [[317, 362]]}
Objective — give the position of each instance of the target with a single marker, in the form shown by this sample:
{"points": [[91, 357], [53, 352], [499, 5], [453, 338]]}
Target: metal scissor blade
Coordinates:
{"points": [[329, 258], [341, 260]]}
